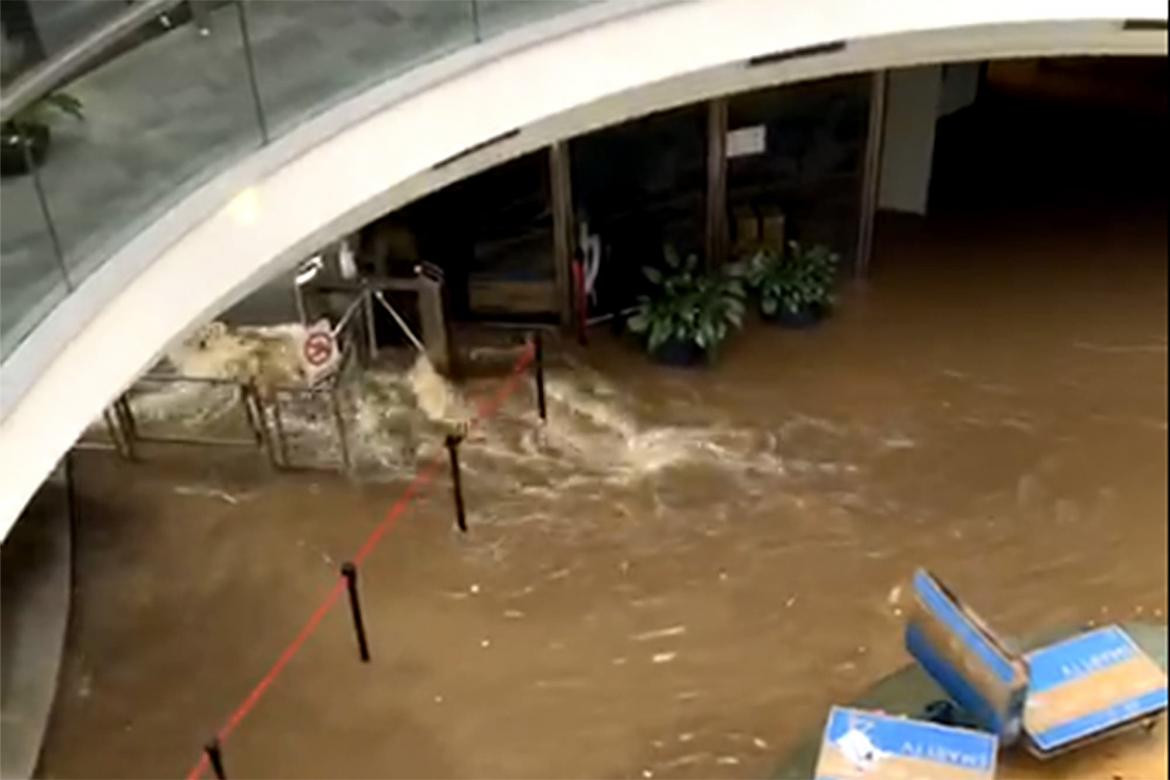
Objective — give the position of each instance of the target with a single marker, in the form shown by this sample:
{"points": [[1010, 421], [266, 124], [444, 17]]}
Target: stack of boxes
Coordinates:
{"points": [[1052, 700]]}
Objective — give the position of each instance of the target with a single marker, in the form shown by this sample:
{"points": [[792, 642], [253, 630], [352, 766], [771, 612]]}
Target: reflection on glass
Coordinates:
{"points": [[31, 281], [160, 117], [35, 30], [177, 100], [311, 54]]}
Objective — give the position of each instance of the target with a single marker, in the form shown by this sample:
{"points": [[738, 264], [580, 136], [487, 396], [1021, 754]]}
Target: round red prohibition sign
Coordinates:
{"points": [[318, 349]]}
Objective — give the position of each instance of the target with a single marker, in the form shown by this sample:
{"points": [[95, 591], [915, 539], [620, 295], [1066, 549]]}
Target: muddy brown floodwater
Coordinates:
{"points": [[686, 568]]}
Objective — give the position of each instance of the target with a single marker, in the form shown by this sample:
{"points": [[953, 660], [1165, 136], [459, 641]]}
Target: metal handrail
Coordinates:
{"points": [[52, 73]]}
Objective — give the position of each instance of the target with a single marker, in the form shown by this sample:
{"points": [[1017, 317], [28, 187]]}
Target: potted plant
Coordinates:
{"points": [[30, 126], [796, 290], [691, 312]]}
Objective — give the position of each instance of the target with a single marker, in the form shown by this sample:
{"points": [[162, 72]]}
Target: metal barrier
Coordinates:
{"points": [[262, 412]]}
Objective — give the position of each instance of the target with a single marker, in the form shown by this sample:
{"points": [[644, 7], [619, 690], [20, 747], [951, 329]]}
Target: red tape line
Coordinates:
{"points": [[422, 478]]}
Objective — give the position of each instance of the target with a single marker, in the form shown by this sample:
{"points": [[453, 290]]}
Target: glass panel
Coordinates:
{"points": [[160, 117], [35, 31], [497, 16], [31, 282], [312, 54], [804, 183]]}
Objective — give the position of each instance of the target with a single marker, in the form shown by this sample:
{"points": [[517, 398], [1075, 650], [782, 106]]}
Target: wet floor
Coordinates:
{"points": [[685, 569]]}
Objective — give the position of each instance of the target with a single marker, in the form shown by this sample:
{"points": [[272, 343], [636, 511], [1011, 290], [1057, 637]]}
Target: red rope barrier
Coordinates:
{"points": [[485, 409]]}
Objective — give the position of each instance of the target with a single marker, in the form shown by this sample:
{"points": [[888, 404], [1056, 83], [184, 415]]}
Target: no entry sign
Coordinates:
{"points": [[318, 349], [318, 352]]}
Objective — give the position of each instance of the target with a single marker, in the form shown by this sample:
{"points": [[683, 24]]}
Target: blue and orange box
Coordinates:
{"points": [[872, 745], [1054, 699]]}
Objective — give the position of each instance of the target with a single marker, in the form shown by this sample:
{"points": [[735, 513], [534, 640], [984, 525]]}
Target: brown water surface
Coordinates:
{"points": [[686, 568]]}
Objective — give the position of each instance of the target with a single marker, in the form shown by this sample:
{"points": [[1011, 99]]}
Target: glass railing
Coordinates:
{"points": [[174, 94]]}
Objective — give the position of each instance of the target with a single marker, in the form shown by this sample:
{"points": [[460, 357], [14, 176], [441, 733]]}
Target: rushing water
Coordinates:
{"points": [[682, 570]]}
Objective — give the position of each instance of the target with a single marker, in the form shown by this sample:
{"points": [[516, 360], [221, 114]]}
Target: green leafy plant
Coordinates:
{"points": [[24, 139], [42, 112], [796, 282], [689, 306]]}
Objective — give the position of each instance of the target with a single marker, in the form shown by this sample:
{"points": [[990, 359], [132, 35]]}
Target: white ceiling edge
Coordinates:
{"points": [[286, 200]]}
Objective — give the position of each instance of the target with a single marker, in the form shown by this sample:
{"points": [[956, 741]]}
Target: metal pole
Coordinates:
{"points": [[215, 756], [125, 416], [475, 20], [278, 424], [43, 202], [371, 331], [339, 423], [538, 364], [115, 433], [456, 482], [871, 172], [247, 395], [349, 571], [251, 63]]}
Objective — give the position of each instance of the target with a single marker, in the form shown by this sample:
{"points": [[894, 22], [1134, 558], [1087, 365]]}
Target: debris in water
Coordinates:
{"points": [[619, 661], [761, 744], [474, 589], [647, 773], [438, 700], [559, 574], [513, 614], [659, 633], [895, 595], [686, 695], [266, 357], [861, 649], [437, 399], [723, 576], [899, 443], [485, 643], [790, 602], [206, 492], [727, 760], [686, 736], [663, 658]]}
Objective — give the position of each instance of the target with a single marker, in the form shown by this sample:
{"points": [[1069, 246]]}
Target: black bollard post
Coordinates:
{"points": [[456, 483], [215, 757], [349, 571], [538, 361]]}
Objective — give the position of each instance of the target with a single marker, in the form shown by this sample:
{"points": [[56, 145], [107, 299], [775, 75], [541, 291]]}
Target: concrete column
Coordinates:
{"points": [[716, 233], [561, 186], [912, 103], [871, 171]]}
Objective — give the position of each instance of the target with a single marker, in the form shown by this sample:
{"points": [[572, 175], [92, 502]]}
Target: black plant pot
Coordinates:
{"points": [[13, 160], [804, 317], [679, 353]]}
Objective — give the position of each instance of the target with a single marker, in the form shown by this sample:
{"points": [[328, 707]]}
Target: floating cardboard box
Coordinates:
{"points": [[1087, 688], [966, 658], [875, 746]]}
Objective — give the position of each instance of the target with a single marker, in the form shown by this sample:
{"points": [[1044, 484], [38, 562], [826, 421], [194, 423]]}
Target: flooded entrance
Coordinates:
{"points": [[684, 569]]}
